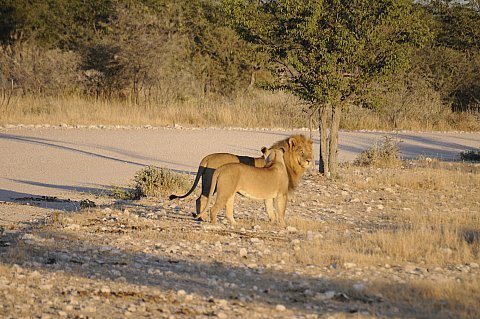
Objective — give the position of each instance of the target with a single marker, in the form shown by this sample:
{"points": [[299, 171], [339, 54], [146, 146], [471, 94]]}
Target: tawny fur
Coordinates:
{"points": [[269, 183], [297, 157]]}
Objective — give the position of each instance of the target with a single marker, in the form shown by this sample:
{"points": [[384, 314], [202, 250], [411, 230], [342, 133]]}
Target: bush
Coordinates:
{"points": [[153, 181], [470, 155], [386, 154]]}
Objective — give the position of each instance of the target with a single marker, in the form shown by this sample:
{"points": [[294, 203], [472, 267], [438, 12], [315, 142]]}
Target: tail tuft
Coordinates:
{"points": [[173, 197]]}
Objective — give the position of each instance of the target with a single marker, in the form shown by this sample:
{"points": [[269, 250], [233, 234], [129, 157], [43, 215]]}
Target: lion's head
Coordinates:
{"points": [[298, 157]]}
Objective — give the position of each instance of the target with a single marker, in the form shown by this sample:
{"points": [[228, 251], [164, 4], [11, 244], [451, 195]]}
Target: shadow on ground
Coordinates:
{"points": [[297, 292]]}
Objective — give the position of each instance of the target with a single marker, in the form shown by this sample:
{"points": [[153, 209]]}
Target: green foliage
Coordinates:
{"points": [[470, 155], [153, 181], [452, 62], [64, 24], [328, 50], [385, 154], [147, 51]]}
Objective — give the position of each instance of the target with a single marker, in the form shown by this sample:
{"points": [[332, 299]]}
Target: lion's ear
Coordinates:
{"points": [[264, 150], [292, 142]]}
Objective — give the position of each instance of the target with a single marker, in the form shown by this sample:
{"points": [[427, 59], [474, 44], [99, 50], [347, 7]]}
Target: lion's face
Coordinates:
{"points": [[301, 152]]}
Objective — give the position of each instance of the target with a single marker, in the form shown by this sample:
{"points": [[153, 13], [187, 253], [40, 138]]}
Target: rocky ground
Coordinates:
{"points": [[150, 259]]}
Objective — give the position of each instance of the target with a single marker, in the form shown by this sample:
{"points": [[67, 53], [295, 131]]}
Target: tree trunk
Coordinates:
{"points": [[323, 166], [333, 142]]}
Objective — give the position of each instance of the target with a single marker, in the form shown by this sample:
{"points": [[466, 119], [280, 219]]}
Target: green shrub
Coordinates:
{"points": [[386, 154], [154, 181], [470, 155]]}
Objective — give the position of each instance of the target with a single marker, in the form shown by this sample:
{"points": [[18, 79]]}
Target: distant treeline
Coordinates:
{"points": [[146, 51]]}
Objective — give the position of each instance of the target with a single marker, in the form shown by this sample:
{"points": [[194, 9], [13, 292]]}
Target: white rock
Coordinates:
{"points": [[181, 293], [105, 290], [359, 287], [280, 308], [349, 265], [243, 252]]}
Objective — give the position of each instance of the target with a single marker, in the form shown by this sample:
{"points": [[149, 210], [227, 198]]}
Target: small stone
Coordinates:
{"points": [[291, 229], [222, 315], [243, 252], [181, 293], [326, 295], [474, 265], [446, 251], [280, 308], [359, 287], [105, 290], [90, 309], [349, 265]]}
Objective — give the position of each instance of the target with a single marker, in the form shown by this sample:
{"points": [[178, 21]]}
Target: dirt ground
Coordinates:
{"points": [[60, 257]]}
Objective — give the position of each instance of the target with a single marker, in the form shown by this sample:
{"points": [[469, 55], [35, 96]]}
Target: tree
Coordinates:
{"points": [[326, 52], [452, 61]]}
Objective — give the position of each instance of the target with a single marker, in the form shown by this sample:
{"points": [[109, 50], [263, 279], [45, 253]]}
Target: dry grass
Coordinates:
{"points": [[154, 181], [442, 208], [257, 109]]}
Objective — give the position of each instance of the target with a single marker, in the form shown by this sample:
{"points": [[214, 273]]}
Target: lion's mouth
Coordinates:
{"points": [[305, 164]]}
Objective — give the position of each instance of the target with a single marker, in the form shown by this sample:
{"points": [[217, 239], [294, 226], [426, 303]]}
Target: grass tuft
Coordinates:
{"points": [[152, 181], [384, 155], [470, 155]]}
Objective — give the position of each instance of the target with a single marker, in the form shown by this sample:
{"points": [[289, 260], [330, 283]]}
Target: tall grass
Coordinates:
{"points": [[252, 109], [256, 109]]}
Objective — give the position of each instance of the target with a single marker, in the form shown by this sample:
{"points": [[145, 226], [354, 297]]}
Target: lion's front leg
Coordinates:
{"points": [[281, 202], [229, 210], [270, 210]]}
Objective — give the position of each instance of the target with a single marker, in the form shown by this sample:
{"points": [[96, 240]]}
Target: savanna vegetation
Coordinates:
{"points": [[388, 64]]}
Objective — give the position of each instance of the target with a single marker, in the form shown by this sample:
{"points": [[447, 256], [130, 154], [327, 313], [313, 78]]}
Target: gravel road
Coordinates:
{"points": [[66, 161]]}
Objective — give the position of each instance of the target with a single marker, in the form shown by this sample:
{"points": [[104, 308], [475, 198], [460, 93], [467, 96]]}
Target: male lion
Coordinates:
{"points": [[297, 157], [267, 183]]}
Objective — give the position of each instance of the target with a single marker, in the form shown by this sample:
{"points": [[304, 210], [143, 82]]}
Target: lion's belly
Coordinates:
{"points": [[258, 195]]}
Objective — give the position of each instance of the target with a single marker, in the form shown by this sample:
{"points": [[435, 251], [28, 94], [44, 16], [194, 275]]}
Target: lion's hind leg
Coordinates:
{"points": [[200, 204], [220, 203]]}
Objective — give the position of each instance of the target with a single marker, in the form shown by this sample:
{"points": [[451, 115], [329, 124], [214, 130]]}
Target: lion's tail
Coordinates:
{"points": [[200, 171], [212, 190]]}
